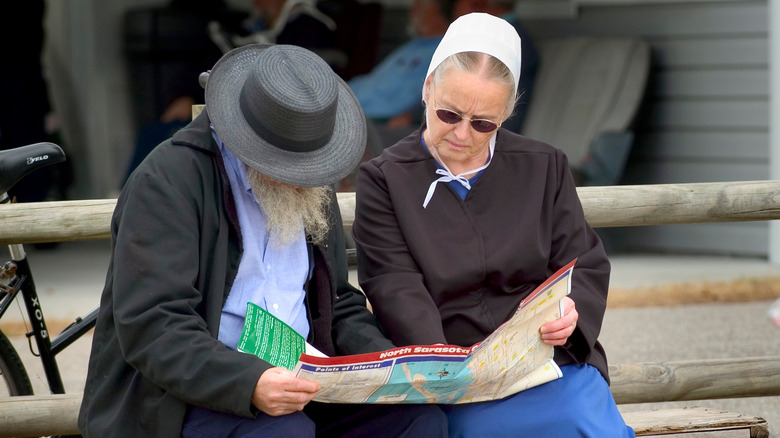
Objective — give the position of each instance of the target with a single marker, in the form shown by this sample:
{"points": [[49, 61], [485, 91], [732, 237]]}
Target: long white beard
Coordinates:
{"points": [[290, 210]]}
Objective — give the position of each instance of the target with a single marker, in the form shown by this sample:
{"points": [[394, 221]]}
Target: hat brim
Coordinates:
{"points": [[323, 166]]}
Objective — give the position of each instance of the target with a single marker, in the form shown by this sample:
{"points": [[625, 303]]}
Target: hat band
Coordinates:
{"points": [[286, 143]]}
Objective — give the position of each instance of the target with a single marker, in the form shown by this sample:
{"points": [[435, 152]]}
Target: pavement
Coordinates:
{"points": [[70, 277]]}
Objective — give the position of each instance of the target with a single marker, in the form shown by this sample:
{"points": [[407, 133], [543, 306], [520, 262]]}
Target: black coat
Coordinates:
{"points": [[176, 247], [454, 271]]}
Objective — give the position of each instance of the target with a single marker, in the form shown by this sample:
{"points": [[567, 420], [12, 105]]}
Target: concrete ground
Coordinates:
{"points": [[70, 278]]}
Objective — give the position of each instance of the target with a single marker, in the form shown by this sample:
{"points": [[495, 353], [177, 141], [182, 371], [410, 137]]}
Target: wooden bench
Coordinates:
{"points": [[695, 422], [604, 207]]}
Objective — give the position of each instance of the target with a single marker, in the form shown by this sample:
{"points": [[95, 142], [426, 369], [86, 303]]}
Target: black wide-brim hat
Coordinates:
{"points": [[283, 112]]}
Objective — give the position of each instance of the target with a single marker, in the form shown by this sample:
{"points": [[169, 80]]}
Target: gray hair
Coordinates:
{"points": [[481, 64]]}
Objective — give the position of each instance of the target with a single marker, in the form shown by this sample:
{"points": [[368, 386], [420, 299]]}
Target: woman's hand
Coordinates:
{"points": [[557, 332], [279, 392]]}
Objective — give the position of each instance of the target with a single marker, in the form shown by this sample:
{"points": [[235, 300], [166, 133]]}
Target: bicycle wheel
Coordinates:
{"points": [[12, 371]]}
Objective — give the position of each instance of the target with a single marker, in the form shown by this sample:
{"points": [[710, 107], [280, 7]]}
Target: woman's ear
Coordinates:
{"points": [[426, 91]]}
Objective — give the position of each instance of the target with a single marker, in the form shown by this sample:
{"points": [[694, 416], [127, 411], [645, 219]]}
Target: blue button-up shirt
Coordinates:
{"points": [[270, 277], [395, 85]]}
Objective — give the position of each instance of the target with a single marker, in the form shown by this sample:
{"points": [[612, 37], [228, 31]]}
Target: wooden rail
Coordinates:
{"points": [[631, 383], [57, 414], [612, 206], [695, 380], [39, 415]]}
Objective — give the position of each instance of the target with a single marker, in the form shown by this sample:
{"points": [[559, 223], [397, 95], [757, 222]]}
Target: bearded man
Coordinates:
{"points": [[237, 208]]}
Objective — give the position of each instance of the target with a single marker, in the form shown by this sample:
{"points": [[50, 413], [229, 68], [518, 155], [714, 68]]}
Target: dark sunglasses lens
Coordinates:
{"points": [[483, 125], [448, 117], [451, 118]]}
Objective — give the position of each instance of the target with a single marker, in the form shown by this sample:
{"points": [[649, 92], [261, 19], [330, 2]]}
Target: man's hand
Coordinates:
{"points": [[557, 332], [279, 392]]}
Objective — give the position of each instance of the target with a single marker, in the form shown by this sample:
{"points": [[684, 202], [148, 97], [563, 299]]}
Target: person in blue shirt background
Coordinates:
{"points": [[390, 93]]}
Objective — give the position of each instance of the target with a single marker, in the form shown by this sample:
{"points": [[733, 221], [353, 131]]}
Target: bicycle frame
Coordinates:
{"points": [[21, 281]]}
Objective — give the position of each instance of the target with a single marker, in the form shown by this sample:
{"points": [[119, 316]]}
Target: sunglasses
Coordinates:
{"points": [[452, 118]]}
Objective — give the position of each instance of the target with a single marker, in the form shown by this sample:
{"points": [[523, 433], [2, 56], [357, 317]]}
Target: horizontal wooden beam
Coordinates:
{"points": [[695, 380], [631, 383], [610, 206], [57, 415], [666, 204], [695, 422], [58, 221], [39, 415]]}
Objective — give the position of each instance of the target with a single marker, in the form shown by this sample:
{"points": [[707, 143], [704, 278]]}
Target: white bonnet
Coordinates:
{"points": [[480, 32]]}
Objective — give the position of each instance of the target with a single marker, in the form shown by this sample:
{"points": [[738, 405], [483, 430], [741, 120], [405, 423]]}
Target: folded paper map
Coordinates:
{"points": [[513, 358]]}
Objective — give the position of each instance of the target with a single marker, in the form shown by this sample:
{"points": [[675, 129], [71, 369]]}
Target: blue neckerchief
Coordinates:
{"points": [[460, 184]]}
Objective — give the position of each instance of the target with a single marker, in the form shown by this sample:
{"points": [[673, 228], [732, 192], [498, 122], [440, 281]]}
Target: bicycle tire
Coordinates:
{"points": [[12, 371]]}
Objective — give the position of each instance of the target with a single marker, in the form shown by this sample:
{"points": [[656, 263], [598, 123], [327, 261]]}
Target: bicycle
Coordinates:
{"points": [[16, 278]]}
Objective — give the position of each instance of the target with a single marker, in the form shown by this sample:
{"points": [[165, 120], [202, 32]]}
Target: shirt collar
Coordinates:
{"points": [[233, 164], [447, 175]]}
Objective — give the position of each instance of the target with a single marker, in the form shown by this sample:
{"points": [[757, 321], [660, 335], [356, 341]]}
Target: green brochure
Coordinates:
{"points": [[269, 338]]}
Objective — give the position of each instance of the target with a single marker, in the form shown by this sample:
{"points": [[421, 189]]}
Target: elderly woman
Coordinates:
{"points": [[460, 221]]}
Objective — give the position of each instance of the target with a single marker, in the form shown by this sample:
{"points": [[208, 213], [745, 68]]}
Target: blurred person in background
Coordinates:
{"points": [[295, 22], [26, 115], [390, 93]]}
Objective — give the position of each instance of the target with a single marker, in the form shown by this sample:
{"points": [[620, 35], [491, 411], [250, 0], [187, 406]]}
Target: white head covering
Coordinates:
{"points": [[476, 32], [480, 32]]}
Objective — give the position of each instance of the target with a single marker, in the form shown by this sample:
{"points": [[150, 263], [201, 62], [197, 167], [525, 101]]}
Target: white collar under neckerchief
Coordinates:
{"points": [[448, 176]]}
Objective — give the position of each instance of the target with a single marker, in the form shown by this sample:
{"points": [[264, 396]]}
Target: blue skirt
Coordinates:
{"points": [[577, 405]]}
